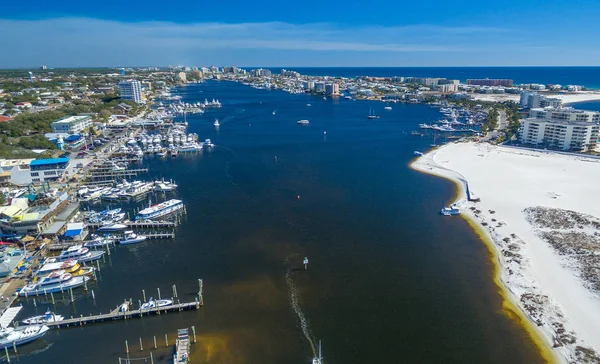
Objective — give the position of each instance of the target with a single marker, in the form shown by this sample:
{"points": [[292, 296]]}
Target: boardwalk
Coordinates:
{"points": [[116, 315]]}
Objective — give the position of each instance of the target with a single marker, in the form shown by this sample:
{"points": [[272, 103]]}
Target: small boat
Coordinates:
{"points": [[372, 114], [388, 107], [318, 359], [124, 307], [416, 152], [78, 252], [308, 104], [273, 112], [449, 211], [10, 336], [152, 303], [132, 238], [216, 123], [49, 316], [324, 97], [303, 122]]}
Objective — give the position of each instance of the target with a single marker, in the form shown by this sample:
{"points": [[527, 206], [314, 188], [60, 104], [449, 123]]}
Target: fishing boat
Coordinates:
{"points": [[54, 282], [132, 238], [161, 209], [49, 316], [10, 336], [303, 122], [318, 359], [152, 303]]}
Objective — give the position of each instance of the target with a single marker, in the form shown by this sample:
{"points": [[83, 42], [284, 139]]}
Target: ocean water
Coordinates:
{"points": [[388, 279], [586, 76]]}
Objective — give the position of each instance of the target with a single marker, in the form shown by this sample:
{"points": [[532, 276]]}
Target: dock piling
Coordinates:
{"points": [[15, 347], [174, 291], [194, 333], [166, 340], [141, 345], [71, 291], [126, 348], [144, 295], [154, 341], [34, 303], [52, 296], [158, 289], [7, 356]]}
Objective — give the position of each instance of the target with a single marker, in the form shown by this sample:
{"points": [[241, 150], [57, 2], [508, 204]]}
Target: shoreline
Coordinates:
{"points": [[509, 288]]}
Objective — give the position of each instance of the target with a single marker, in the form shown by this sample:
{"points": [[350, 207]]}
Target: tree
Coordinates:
{"points": [[93, 131], [2, 199]]}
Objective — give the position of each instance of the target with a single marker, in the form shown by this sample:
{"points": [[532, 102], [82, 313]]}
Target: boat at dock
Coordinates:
{"points": [[78, 252], [152, 303], [54, 282], [132, 238], [49, 316], [161, 209], [10, 336], [112, 227]]}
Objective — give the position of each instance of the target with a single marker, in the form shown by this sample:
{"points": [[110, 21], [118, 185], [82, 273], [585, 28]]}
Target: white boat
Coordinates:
{"points": [[10, 336], [152, 303], [308, 104], [77, 252], [49, 316], [416, 152], [161, 209], [303, 122], [112, 227], [372, 114], [52, 283], [388, 107], [162, 153], [216, 123], [449, 211], [71, 265], [98, 242], [318, 359], [132, 238]]}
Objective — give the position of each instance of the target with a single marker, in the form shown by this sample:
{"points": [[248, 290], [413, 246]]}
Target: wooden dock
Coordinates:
{"points": [[149, 236], [116, 315], [139, 224]]}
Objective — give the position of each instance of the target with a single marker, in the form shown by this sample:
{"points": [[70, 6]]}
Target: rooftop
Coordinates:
{"points": [[72, 119], [561, 122], [43, 162]]}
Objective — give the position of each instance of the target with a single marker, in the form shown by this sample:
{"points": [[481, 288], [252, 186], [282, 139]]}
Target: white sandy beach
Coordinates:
{"points": [[508, 181], [568, 98]]}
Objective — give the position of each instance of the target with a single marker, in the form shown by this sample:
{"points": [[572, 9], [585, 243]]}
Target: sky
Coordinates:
{"points": [[75, 33]]}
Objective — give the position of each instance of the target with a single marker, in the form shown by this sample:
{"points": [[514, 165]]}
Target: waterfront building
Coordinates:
{"points": [[20, 218], [72, 124], [230, 69], [319, 86], [565, 114], [287, 73], [309, 85], [560, 134], [332, 89], [444, 81], [49, 169], [574, 88], [427, 81], [490, 82], [533, 100], [261, 72], [448, 88], [131, 90]]}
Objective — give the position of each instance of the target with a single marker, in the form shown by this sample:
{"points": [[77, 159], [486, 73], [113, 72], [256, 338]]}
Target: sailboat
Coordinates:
{"points": [[318, 359], [216, 123], [372, 114]]}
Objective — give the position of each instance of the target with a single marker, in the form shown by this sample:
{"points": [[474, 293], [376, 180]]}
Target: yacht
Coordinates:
{"points": [[54, 282], [98, 242], [78, 252], [132, 238], [161, 209], [10, 336], [449, 211], [372, 114], [152, 303], [49, 316], [216, 123], [112, 227], [69, 266], [303, 122]]}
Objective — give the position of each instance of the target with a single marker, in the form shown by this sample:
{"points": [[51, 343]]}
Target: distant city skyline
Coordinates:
{"points": [[427, 33]]}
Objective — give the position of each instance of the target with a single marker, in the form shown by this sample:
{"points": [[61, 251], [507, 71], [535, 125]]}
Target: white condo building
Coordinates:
{"points": [[72, 124], [533, 100], [565, 135], [131, 90], [565, 114]]}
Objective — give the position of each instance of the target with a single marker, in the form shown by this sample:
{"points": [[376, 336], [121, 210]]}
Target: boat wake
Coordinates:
{"points": [[293, 294]]}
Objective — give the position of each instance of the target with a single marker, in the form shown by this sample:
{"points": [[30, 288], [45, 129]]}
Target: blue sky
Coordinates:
{"points": [[307, 33]]}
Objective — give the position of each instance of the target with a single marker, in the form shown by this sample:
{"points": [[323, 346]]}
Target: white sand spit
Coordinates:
{"points": [[545, 285]]}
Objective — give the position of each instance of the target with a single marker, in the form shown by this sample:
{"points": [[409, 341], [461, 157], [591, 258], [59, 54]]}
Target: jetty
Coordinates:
{"points": [[126, 315]]}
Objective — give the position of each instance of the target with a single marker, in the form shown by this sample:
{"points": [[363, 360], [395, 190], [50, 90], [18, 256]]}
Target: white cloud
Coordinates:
{"points": [[87, 41]]}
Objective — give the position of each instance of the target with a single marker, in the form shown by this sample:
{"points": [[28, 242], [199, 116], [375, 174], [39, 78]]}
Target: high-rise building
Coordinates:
{"points": [[565, 114], [131, 90], [332, 89], [309, 85], [560, 134], [533, 100], [319, 86]]}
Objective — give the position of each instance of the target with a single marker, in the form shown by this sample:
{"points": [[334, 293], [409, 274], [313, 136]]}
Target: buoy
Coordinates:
{"points": [[298, 197]]}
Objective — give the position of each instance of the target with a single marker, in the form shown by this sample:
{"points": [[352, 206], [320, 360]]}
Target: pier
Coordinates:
{"points": [[149, 236], [117, 315], [139, 224]]}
